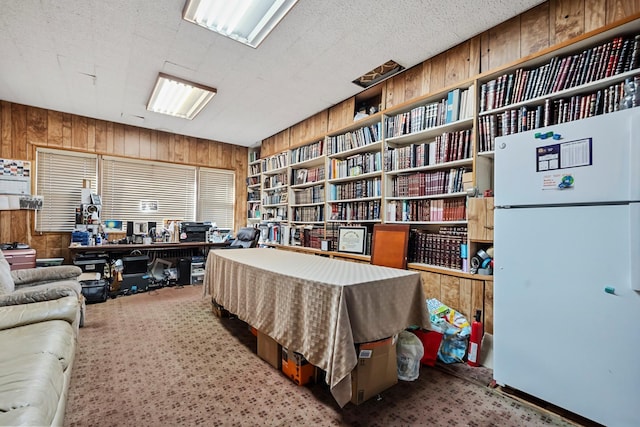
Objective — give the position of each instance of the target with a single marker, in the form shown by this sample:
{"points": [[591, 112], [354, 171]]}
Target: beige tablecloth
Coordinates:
{"points": [[315, 305]]}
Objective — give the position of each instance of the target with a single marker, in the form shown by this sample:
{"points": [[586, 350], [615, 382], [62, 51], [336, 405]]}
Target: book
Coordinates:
{"points": [[453, 106]]}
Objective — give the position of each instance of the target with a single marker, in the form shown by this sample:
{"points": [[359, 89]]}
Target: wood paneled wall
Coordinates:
{"points": [[312, 129], [22, 128], [463, 295]]}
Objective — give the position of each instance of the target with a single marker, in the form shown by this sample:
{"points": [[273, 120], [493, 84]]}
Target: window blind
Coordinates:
{"points": [[135, 190], [59, 179], [216, 196]]}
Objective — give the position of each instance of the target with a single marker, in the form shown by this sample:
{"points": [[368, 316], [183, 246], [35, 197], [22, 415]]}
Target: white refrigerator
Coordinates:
{"points": [[567, 266]]}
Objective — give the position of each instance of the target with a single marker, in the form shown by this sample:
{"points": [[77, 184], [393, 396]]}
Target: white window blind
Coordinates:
{"points": [[59, 179], [126, 184], [216, 196]]}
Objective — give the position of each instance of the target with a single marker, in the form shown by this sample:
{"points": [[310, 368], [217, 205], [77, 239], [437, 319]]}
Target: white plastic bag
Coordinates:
{"points": [[409, 350]]}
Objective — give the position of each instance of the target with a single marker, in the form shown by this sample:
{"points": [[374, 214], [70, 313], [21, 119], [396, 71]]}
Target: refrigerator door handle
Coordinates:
{"points": [[634, 245]]}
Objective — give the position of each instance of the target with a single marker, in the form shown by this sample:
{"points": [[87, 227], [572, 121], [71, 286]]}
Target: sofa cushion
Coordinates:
{"points": [[30, 389], [7, 284], [55, 337]]}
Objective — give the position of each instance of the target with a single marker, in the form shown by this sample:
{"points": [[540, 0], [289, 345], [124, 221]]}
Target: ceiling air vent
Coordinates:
{"points": [[378, 74]]}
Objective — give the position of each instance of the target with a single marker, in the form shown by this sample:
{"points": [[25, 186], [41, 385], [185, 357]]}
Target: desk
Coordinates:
{"points": [[317, 306], [122, 248]]}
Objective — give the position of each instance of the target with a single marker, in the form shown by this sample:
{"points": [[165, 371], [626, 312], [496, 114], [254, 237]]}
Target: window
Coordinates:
{"points": [[136, 190], [131, 190], [216, 196], [59, 179]]}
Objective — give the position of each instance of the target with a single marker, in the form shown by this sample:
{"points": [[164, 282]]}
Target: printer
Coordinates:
{"points": [[195, 231]]}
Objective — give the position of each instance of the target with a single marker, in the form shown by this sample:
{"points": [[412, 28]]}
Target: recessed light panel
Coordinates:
{"points": [[246, 21], [179, 98]]}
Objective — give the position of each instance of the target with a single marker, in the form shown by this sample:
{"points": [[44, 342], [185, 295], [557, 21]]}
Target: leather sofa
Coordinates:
{"points": [[40, 313]]}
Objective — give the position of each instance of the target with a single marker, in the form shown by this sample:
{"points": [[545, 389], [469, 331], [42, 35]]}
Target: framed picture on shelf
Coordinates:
{"points": [[352, 239], [301, 176], [284, 198]]}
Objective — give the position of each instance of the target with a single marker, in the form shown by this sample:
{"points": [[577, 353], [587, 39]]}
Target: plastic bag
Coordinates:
{"points": [[455, 328], [409, 350]]}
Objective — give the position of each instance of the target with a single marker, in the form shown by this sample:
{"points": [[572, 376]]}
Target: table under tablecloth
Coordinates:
{"points": [[316, 306]]}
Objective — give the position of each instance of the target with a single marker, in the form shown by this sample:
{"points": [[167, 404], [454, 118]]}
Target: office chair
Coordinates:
{"points": [[247, 237]]}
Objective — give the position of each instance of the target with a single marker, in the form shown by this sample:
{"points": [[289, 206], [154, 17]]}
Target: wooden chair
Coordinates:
{"points": [[389, 245]]}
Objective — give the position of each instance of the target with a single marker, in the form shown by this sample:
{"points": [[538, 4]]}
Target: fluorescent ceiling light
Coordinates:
{"points": [[179, 98], [246, 21]]}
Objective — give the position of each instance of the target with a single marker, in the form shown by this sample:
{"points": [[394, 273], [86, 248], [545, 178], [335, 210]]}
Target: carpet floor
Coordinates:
{"points": [[162, 358]]}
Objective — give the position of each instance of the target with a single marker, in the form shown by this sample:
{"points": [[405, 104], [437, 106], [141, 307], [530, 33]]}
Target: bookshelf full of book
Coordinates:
{"points": [[308, 184], [411, 163], [275, 188], [254, 183], [354, 176], [570, 82], [428, 150]]}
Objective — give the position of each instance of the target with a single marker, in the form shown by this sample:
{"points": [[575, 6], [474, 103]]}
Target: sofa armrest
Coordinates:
{"points": [[45, 274], [66, 308]]}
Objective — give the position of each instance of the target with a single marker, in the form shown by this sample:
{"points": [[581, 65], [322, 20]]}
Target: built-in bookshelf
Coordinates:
{"points": [[428, 148], [254, 184], [275, 188], [308, 192], [575, 82], [414, 162], [571, 82]]}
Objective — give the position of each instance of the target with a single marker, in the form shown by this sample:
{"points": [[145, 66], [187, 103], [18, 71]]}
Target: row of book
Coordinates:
{"points": [[274, 214], [427, 210], [356, 211], [254, 211], [254, 156], [551, 112], [253, 180], [307, 152], [355, 165], [308, 214], [358, 138], [428, 183], [312, 237], [277, 161], [442, 249], [356, 189], [253, 194], [274, 232], [254, 169], [304, 176], [277, 198], [290, 235], [313, 194], [614, 57], [458, 105], [449, 146], [275, 181]]}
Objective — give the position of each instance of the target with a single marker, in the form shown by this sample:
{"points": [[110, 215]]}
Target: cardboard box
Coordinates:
{"points": [[377, 369], [296, 367], [269, 350], [219, 310], [467, 180]]}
